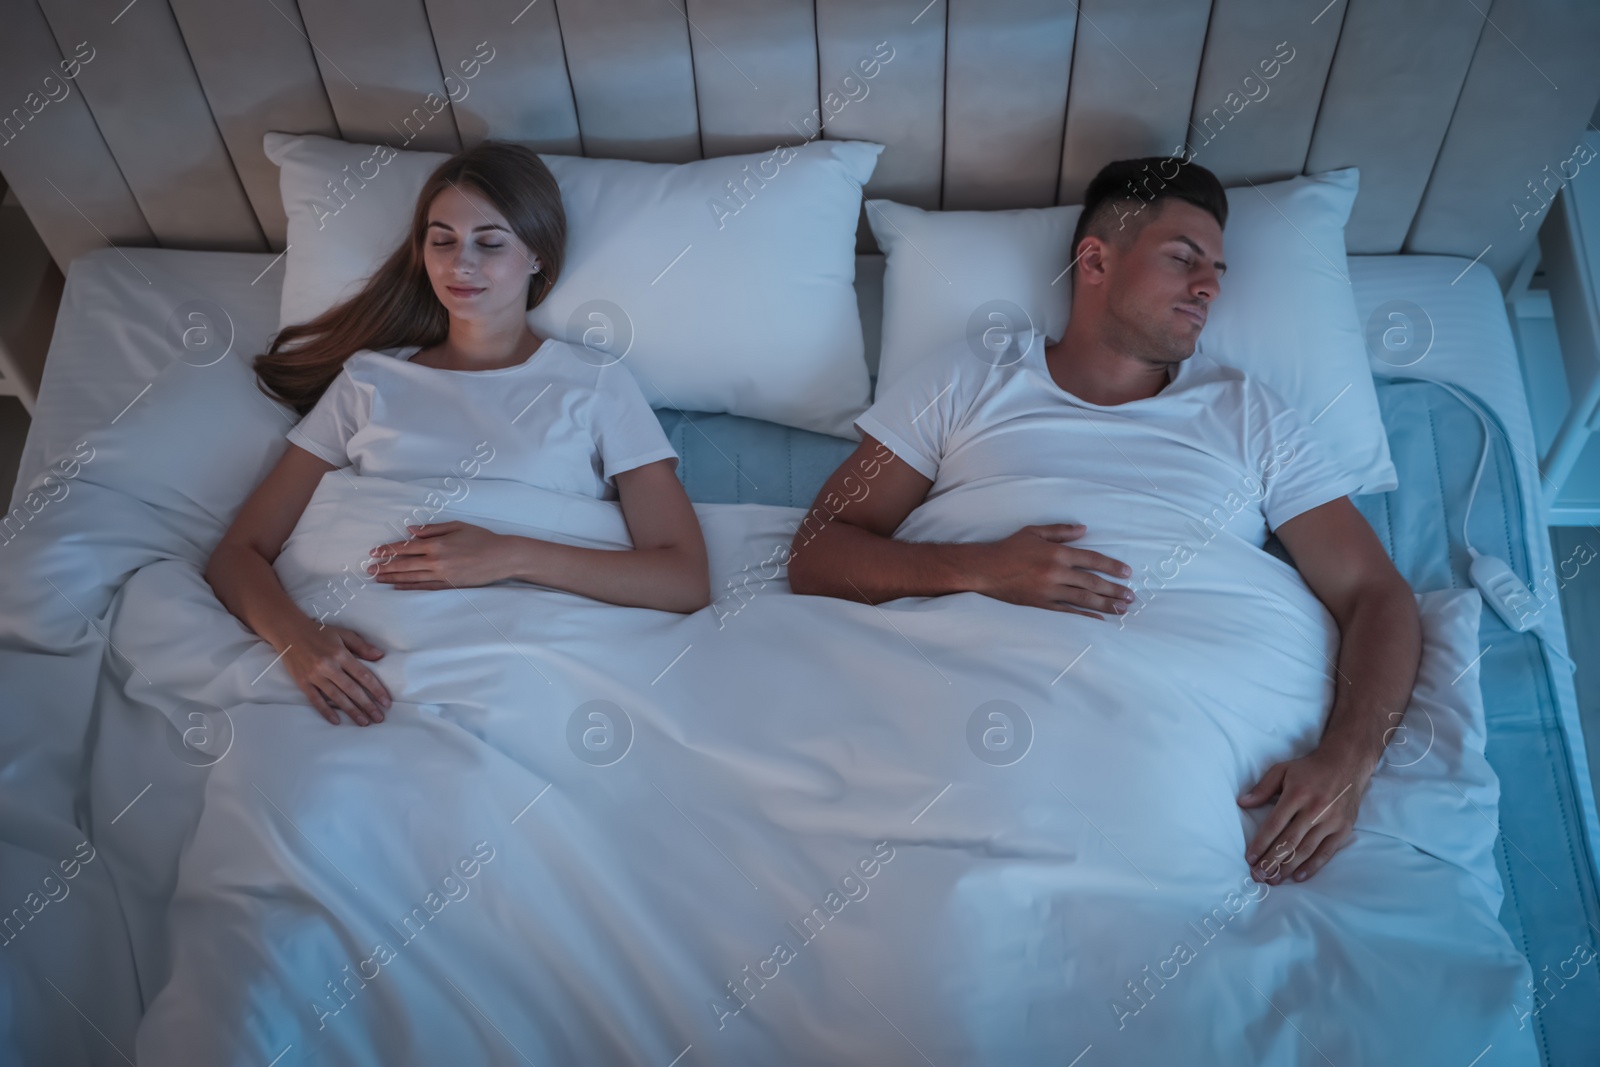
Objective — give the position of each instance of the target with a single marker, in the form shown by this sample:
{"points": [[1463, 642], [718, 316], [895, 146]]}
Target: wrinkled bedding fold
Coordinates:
{"points": [[786, 829]]}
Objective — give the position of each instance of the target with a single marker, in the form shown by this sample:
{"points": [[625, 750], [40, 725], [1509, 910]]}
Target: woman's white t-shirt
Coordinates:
{"points": [[555, 420]]}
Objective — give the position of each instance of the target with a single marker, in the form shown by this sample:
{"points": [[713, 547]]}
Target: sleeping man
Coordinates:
{"points": [[1167, 448]]}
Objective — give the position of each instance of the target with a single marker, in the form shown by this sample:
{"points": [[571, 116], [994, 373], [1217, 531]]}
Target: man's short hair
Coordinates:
{"points": [[1115, 202]]}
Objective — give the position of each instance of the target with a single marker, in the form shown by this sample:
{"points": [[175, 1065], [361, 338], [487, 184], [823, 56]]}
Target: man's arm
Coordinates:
{"points": [[845, 548], [1380, 646]]}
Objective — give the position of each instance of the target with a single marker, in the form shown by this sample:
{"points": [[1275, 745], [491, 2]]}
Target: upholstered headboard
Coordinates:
{"points": [[140, 123]]}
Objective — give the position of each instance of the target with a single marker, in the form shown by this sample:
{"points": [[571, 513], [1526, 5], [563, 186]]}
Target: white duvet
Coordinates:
{"points": [[786, 829]]}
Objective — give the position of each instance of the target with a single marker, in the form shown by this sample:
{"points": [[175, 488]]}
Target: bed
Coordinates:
{"points": [[138, 784], [177, 890]]}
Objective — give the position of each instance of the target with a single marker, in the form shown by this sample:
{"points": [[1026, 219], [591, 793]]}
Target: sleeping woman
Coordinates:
{"points": [[399, 381]]}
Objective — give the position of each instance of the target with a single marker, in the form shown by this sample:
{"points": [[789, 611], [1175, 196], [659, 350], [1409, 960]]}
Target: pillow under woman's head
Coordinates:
{"points": [[486, 233], [723, 284]]}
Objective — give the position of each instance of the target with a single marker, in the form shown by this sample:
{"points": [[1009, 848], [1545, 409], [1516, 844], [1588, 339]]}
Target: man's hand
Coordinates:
{"points": [[1318, 796], [1380, 647], [1036, 568], [845, 547], [442, 555]]}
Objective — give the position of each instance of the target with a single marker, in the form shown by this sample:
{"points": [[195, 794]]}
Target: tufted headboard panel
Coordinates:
{"points": [[140, 123]]}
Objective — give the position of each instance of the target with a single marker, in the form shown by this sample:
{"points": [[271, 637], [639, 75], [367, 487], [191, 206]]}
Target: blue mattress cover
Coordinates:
{"points": [[1551, 906]]}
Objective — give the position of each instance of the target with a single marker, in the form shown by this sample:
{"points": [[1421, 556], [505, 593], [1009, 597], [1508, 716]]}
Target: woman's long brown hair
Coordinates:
{"points": [[397, 306]]}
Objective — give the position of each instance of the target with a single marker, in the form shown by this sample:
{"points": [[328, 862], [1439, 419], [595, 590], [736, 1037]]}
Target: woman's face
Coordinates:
{"points": [[479, 268]]}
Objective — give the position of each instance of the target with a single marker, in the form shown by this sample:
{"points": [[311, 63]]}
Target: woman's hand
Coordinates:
{"points": [[442, 555], [322, 661]]}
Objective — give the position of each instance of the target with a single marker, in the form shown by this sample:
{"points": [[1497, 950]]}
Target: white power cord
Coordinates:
{"points": [[1496, 582]]}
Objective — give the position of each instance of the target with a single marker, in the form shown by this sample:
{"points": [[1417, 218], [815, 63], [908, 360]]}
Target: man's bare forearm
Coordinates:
{"points": [[1380, 647], [841, 560]]}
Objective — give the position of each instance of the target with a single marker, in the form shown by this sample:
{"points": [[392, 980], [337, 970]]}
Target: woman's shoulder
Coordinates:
{"points": [[573, 357], [578, 364]]}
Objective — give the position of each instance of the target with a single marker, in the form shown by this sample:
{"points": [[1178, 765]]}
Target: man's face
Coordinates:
{"points": [[1158, 288]]}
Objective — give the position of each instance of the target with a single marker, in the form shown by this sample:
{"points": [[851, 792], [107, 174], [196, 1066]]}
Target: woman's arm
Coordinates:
{"points": [[666, 569], [321, 659]]}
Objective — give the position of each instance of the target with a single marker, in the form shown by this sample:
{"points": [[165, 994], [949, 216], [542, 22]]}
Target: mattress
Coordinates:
{"points": [[1545, 862], [116, 331]]}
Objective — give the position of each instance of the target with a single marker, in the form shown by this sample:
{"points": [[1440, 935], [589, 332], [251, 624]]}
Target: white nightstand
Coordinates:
{"points": [[1569, 242]]}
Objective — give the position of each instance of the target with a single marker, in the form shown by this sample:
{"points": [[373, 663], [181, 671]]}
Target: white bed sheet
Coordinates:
{"points": [[105, 351], [766, 760], [137, 770]]}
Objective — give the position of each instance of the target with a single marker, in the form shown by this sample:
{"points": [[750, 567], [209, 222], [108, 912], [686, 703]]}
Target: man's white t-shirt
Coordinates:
{"points": [[1005, 446], [554, 420]]}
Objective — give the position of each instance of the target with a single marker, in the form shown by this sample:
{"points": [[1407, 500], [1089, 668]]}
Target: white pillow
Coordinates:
{"points": [[197, 443], [164, 482], [1434, 787], [717, 303], [336, 242], [1286, 313], [944, 269]]}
